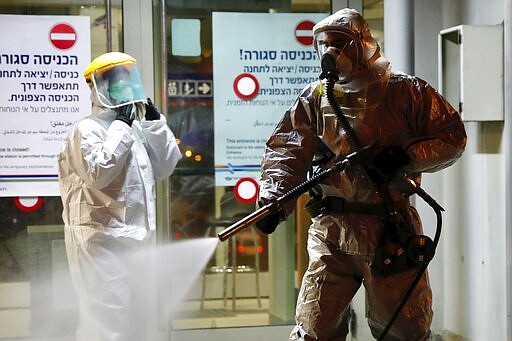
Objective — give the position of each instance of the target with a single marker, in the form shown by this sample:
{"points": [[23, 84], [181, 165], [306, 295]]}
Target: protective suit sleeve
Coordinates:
{"points": [[442, 134], [99, 157], [288, 155], [161, 146]]}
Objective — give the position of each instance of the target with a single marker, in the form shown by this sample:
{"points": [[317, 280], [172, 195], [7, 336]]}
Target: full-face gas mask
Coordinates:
{"points": [[362, 70], [343, 50]]}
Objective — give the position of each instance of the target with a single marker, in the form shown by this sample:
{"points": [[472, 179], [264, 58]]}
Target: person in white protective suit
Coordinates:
{"points": [[108, 167], [361, 216]]}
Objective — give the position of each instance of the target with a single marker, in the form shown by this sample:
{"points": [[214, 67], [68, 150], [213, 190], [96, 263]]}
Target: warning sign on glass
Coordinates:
{"points": [[43, 95]]}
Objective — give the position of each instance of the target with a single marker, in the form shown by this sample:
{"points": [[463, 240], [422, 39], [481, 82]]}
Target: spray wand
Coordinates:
{"points": [[351, 159]]}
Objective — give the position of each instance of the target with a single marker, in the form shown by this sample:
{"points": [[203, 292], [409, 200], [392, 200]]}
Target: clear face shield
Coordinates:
{"points": [[119, 85]]}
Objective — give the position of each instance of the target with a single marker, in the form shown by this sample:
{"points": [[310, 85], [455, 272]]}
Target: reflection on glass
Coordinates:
{"points": [[234, 289]]}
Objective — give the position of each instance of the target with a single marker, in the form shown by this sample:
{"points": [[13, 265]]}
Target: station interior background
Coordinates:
{"points": [[249, 285]]}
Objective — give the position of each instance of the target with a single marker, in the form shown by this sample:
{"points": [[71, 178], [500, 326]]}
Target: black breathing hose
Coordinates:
{"points": [[330, 72], [437, 209]]}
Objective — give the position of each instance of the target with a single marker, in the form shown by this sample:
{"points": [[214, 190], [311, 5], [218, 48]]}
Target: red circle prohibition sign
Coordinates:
{"points": [[63, 36], [246, 86], [304, 32], [27, 204], [246, 190]]}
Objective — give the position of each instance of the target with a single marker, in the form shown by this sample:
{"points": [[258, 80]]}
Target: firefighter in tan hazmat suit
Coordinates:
{"points": [[418, 131]]}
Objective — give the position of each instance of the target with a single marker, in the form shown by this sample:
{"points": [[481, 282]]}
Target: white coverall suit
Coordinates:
{"points": [[107, 175], [341, 245]]}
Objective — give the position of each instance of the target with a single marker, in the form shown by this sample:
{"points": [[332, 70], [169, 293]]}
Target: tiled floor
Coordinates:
{"points": [[216, 314], [219, 314]]}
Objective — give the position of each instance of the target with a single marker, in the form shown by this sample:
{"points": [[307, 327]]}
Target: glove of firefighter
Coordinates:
{"points": [[125, 114], [387, 163], [268, 224], [152, 112]]}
